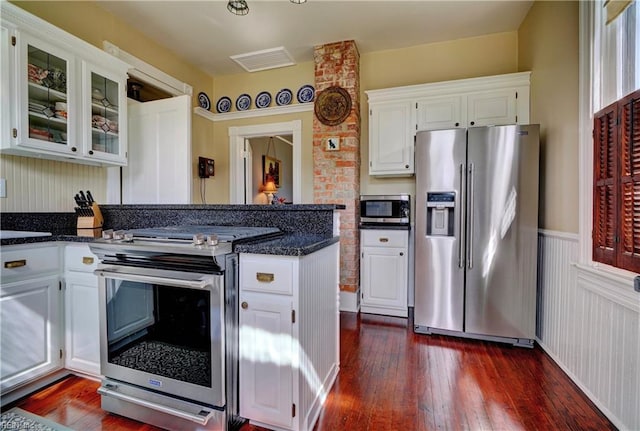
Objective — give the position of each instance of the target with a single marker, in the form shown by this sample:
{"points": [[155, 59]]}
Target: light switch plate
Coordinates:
{"points": [[3, 188]]}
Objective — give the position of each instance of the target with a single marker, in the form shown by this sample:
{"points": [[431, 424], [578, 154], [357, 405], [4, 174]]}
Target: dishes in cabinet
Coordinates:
{"points": [[305, 94], [243, 102], [223, 105], [284, 97], [104, 124], [263, 99]]}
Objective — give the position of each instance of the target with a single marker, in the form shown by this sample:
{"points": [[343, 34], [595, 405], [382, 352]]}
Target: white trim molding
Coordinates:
{"points": [[237, 136], [252, 113], [148, 73]]}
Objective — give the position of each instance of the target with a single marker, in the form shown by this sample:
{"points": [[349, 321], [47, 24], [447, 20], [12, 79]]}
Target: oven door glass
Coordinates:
{"points": [[164, 330]]}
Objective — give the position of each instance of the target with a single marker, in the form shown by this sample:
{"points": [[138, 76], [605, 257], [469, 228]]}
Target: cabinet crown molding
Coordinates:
{"points": [[17, 18], [413, 92]]}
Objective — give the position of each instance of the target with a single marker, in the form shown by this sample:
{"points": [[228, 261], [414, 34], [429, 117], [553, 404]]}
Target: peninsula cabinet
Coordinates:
{"points": [[396, 114], [67, 98], [30, 314], [289, 337]]}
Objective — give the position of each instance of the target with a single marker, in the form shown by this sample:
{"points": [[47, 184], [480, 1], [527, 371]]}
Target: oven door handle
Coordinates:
{"points": [[202, 420], [200, 283]]}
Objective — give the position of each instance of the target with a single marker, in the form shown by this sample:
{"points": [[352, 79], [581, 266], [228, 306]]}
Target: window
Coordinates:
{"points": [[616, 184]]}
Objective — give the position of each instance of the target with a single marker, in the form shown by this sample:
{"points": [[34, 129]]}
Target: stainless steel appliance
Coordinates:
{"points": [[385, 210], [168, 324], [476, 232]]}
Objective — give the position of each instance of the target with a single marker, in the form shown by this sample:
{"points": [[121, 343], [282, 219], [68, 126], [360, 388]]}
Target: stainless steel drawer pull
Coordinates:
{"points": [[87, 260], [384, 239], [15, 264], [265, 277]]}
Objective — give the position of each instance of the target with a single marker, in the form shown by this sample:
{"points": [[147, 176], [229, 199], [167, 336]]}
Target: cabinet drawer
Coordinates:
{"points": [[28, 262], [268, 275], [79, 258], [384, 238]]}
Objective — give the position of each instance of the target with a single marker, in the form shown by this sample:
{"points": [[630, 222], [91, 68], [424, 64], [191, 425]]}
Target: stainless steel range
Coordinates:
{"points": [[168, 324]]}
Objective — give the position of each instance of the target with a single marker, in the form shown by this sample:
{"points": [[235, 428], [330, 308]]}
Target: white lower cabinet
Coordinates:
{"points": [[30, 310], [384, 265], [289, 337], [82, 323]]}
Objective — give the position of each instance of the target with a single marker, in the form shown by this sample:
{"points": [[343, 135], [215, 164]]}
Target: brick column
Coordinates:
{"points": [[336, 174]]}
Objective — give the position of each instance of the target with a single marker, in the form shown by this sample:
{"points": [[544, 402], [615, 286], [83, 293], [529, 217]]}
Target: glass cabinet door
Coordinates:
{"points": [[106, 114], [47, 102]]}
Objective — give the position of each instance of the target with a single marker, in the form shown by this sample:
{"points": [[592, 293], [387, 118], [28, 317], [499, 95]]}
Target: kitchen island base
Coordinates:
{"points": [[289, 337]]}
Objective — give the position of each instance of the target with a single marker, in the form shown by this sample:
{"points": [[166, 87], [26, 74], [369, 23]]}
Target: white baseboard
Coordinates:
{"points": [[349, 301]]}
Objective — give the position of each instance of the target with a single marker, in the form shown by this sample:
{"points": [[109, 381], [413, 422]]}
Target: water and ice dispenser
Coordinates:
{"points": [[440, 213]]}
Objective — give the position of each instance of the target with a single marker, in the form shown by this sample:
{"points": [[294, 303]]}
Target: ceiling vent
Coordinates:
{"points": [[263, 60]]}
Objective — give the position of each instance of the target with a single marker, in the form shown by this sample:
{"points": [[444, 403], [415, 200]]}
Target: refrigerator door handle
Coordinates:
{"points": [[471, 195], [461, 262]]}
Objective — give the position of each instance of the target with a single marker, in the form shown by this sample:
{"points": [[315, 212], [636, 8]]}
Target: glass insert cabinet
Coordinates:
{"points": [[70, 102]]}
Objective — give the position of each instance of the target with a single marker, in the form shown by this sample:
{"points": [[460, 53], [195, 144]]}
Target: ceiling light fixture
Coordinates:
{"points": [[238, 7]]}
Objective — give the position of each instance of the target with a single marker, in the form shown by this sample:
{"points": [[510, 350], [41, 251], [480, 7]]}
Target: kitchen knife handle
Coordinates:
{"points": [[90, 197], [471, 217], [461, 219]]}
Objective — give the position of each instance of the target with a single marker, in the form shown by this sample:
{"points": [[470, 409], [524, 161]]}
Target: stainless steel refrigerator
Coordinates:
{"points": [[476, 232]]}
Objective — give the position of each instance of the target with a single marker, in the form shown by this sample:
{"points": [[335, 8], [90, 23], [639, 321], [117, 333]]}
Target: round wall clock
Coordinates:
{"points": [[332, 106]]}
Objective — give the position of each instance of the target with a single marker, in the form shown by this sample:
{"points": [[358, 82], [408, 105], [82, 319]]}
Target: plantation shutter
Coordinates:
{"points": [[628, 255], [605, 185]]}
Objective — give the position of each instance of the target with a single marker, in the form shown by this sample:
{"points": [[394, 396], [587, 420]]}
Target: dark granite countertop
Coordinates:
{"points": [[288, 245], [285, 245]]}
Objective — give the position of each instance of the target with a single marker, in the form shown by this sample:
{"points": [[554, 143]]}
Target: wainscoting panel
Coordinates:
{"points": [[590, 325], [39, 185]]}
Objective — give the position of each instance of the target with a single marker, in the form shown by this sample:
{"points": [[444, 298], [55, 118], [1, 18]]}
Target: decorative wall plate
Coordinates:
{"points": [[243, 102], [223, 105], [332, 106], [204, 101], [284, 97], [263, 99], [305, 94]]}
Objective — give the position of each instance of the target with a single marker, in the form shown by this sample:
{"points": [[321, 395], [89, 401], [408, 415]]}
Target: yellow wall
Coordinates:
{"points": [[91, 23], [548, 46], [492, 54], [272, 81]]}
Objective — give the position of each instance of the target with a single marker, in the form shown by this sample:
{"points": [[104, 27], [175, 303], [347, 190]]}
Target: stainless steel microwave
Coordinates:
{"points": [[385, 209]]}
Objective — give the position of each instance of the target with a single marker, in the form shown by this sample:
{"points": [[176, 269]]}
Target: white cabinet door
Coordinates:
{"points": [[47, 97], [493, 107], [29, 330], [391, 134], [384, 280], [82, 323], [6, 85], [159, 169], [104, 115], [267, 358], [441, 112]]}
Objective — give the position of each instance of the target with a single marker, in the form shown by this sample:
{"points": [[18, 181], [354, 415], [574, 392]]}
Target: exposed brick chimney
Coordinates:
{"points": [[336, 174]]}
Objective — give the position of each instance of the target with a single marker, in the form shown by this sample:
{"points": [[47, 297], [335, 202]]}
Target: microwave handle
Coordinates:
{"points": [[200, 283]]}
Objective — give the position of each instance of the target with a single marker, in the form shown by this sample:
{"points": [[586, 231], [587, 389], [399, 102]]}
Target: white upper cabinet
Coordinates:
{"points": [[69, 101], [391, 138], [396, 114], [442, 112]]}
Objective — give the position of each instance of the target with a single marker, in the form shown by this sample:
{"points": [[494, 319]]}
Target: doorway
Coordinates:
{"points": [[241, 179]]}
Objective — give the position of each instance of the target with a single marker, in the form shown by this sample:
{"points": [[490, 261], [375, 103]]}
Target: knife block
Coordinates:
{"points": [[91, 226]]}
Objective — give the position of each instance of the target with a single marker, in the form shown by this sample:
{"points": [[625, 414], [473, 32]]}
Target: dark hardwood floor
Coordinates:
{"points": [[392, 379]]}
